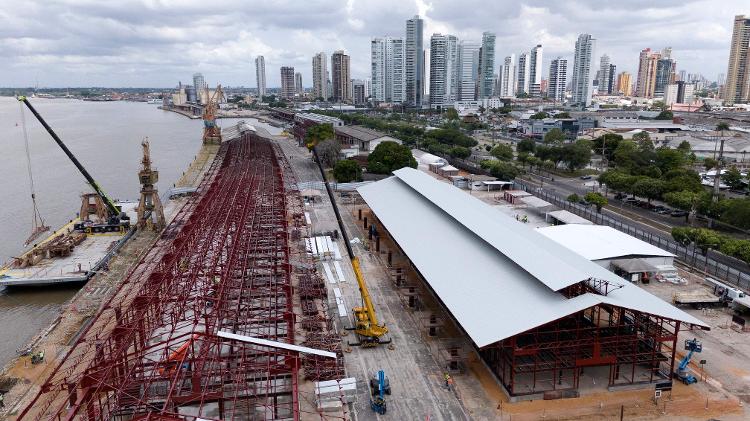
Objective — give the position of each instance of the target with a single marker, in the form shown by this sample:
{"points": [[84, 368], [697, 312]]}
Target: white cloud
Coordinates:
{"points": [[159, 42]]}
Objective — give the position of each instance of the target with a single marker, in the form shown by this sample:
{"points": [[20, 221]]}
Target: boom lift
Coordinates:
{"points": [[366, 324], [377, 403], [115, 219], [683, 372]]}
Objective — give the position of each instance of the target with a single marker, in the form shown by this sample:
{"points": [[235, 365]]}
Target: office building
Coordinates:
{"points": [[665, 71], [287, 82], [359, 92], [583, 81], [535, 71], [260, 75], [680, 92], [507, 77], [602, 75], [558, 75], [388, 70], [522, 79], [200, 86], [414, 61], [468, 70], [443, 70], [624, 84], [340, 76], [320, 76], [648, 62], [486, 65], [737, 87]]}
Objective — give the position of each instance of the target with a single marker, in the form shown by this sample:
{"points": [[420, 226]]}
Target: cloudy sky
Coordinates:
{"points": [[155, 43]]}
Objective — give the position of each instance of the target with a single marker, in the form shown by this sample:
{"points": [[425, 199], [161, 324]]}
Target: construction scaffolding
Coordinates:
{"points": [[222, 265]]}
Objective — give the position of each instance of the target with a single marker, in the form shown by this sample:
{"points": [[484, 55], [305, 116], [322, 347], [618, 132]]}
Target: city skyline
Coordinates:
{"points": [[150, 45]]}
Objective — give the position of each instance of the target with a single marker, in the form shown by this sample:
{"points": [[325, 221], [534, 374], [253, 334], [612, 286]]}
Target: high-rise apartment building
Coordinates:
{"points": [[340, 75], [414, 61], [388, 70], [260, 75], [648, 62], [582, 82], [522, 79], [443, 70], [359, 94], [602, 75], [468, 70], [486, 65], [320, 76], [287, 82], [611, 79], [624, 84], [535, 71], [558, 75], [665, 71], [507, 77], [200, 86], [298, 88], [737, 87]]}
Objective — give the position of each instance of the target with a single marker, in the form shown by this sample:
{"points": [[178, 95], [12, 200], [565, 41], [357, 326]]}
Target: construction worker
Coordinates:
{"points": [[448, 380]]}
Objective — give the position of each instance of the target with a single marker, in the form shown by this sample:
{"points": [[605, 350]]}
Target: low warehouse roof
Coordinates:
{"points": [[597, 242], [495, 270], [568, 218]]}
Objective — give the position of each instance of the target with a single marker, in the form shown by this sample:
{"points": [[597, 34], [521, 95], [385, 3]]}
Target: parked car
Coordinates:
{"points": [[620, 196], [665, 211], [631, 200], [586, 177], [657, 208], [676, 213]]}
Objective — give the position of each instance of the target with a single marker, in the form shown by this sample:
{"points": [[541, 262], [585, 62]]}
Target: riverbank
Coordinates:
{"points": [[20, 380]]}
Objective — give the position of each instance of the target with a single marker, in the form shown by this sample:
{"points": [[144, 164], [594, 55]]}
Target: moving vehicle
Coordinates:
{"points": [[677, 213]]}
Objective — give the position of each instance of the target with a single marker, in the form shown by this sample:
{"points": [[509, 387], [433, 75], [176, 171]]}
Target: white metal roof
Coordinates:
{"points": [[597, 242], [568, 217], [535, 202], [494, 269]]}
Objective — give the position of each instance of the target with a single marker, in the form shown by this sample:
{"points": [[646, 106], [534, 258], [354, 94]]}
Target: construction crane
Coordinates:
{"points": [[211, 130], [377, 402], [683, 372], [38, 227], [115, 219], [366, 326]]}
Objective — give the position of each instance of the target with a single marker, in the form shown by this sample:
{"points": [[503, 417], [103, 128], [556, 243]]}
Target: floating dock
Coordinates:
{"points": [[84, 260]]}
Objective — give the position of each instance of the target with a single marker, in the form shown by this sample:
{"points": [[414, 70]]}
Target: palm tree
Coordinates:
{"points": [[721, 127]]}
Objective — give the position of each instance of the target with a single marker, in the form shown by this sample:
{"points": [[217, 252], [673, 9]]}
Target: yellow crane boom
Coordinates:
{"points": [[366, 321]]}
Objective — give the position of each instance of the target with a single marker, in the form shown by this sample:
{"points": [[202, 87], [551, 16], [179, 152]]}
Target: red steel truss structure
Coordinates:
{"points": [[223, 264]]}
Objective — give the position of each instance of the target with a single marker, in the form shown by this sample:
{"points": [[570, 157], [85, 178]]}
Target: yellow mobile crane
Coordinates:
{"points": [[366, 326]]}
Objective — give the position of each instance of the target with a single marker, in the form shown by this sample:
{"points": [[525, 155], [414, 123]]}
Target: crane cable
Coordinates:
{"points": [[37, 225]]}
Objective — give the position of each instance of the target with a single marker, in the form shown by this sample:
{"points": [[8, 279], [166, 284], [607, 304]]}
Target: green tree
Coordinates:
{"points": [[709, 163], [526, 145], [539, 116], [685, 200], [737, 213], [683, 235], [608, 143], [659, 105], [649, 188], [626, 155], [665, 115], [502, 152], [459, 152], [347, 170], [389, 156], [504, 170], [669, 159], [577, 155], [597, 200], [684, 147], [318, 133], [574, 198], [641, 136], [707, 239], [451, 114], [562, 115], [554, 137], [733, 178]]}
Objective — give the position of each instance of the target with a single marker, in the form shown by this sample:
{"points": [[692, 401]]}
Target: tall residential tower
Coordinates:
{"points": [[558, 76], [320, 76], [287, 82], [260, 75], [582, 83], [737, 88], [340, 76], [387, 70], [487, 65], [414, 50]]}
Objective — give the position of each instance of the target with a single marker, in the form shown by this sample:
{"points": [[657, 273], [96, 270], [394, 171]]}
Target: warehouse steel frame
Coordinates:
{"points": [[152, 351]]}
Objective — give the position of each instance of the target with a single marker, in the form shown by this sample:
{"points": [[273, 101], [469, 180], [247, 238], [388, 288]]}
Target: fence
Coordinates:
{"points": [[727, 270]]}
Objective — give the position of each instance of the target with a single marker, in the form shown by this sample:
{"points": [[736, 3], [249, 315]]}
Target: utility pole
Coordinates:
{"points": [[719, 165]]}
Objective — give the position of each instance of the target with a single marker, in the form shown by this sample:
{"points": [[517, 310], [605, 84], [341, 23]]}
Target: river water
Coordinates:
{"points": [[106, 138]]}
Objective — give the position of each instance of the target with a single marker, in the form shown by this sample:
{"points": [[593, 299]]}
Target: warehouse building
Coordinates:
{"points": [[629, 257], [536, 312]]}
